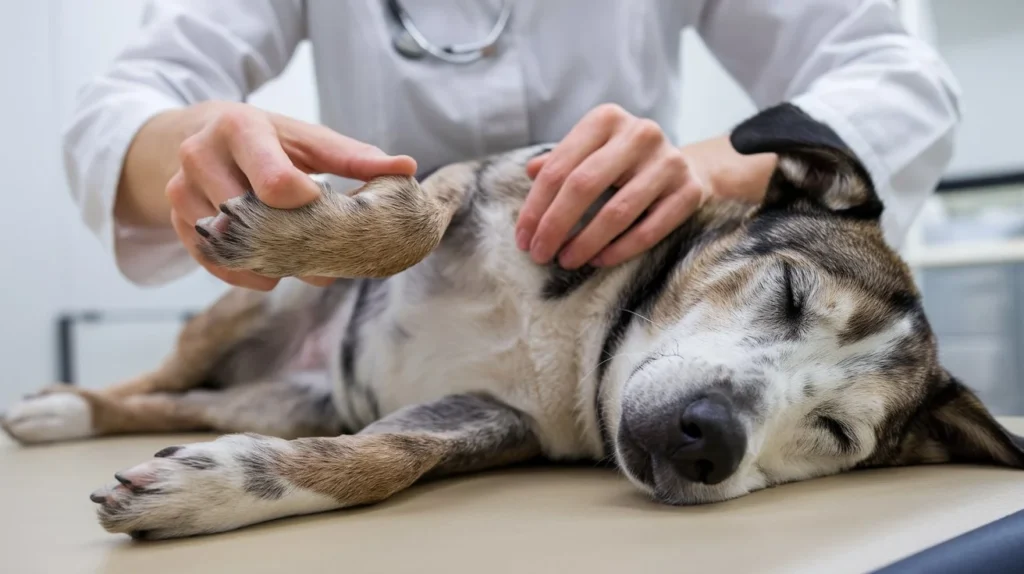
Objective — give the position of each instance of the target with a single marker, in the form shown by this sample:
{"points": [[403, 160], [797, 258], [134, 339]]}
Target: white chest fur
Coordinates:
{"points": [[429, 342]]}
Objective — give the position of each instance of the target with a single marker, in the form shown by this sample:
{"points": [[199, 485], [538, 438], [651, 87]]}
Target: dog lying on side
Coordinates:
{"points": [[756, 345]]}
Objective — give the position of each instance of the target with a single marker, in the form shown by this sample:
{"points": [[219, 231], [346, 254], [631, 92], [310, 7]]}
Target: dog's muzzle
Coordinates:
{"points": [[698, 440]]}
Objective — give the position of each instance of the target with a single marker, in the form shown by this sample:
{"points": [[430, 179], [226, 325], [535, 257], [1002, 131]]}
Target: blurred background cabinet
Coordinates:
{"points": [[967, 248]]}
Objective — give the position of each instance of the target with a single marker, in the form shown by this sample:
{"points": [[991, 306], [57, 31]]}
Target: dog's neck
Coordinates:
{"points": [[715, 219]]}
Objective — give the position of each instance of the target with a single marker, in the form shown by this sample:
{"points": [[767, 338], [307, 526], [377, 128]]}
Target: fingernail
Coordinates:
{"points": [[522, 240], [539, 251], [567, 261], [376, 152]]}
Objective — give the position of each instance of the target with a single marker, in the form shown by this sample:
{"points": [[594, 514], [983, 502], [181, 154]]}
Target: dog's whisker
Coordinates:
{"points": [[638, 315], [608, 360]]}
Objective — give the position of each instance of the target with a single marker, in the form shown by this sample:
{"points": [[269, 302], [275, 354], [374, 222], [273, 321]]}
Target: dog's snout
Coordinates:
{"points": [[700, 440], [712, 441]]}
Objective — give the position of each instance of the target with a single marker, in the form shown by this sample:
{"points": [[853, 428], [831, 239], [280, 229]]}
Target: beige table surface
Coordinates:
{"points": [[524, 520]]}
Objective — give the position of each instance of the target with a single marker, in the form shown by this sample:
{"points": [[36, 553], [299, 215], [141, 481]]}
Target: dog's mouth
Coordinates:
{"points": [[636, 461]]}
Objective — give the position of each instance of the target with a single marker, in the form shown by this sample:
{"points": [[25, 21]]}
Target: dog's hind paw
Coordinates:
{"points": [[49, 417]]}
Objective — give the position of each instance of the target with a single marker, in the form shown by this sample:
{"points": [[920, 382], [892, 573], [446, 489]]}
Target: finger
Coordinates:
{"points": [[274, 178], [535, 164], [319, 149], [584, 139], [186, 232], [618, 214], [218, 179], [583, 186], [665, 215], [187, 200]]}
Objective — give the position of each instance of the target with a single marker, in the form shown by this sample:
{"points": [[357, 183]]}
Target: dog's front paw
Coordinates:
{"points": [[236, 237], [50, 416], [200, 488], [384, 228]]}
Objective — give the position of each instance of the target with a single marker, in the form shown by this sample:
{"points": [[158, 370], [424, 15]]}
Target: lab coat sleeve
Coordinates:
{"points": [[187, 51], [851, 65]]}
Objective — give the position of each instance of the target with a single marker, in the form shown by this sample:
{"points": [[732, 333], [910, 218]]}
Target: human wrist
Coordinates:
{"points": [[727, 173]]}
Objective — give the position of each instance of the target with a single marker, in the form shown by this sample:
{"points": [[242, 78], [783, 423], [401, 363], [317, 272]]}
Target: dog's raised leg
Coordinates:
{"points": [[239, 480], [388, 225]]}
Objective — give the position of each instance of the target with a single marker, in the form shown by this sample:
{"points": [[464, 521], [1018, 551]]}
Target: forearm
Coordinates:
{"points": [[151, 161], [726, 173]]}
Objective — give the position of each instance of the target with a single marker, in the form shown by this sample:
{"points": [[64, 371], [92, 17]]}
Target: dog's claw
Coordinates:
{"points": [[235, 220]]}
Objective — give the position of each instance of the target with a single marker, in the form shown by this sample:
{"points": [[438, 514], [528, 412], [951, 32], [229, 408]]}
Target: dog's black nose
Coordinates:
{"points": [[712, 440], [700, 440]]}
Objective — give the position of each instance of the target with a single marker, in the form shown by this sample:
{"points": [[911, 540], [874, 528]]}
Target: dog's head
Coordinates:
{"points": [[793, 346]]}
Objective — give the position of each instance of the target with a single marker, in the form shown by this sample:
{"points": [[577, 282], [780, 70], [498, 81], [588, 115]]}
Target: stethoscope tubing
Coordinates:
{"points": [[465, 53]]}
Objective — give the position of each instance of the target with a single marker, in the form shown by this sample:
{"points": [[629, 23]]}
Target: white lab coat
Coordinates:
{"points": [[848, 63]]}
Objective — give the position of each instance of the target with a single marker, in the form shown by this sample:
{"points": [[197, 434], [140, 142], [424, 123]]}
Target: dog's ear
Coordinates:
{"points": [[954, 426], [816, 168]]}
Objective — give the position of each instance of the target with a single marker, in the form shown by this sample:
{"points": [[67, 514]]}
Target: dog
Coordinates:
{"points": [[756, 345]]}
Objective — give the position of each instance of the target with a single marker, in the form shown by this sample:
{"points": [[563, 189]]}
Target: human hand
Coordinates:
{"points": [[239, 147], [609, 146]]}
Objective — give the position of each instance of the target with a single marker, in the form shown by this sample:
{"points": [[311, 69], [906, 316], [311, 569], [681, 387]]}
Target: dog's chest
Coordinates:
{"points": [[433, 339]]}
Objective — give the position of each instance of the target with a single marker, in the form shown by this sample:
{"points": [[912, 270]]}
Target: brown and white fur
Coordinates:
{"points": [[757, 345]]}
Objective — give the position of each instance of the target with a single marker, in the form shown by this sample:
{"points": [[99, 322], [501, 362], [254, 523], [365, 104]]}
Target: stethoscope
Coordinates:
{"points": [[411, 43]]}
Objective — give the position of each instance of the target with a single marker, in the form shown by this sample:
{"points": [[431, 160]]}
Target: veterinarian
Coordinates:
{"points": [[164, 135]]}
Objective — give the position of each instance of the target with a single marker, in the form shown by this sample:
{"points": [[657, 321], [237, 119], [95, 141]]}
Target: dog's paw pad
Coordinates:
{"points": [[214, 227], [229, 238], [49, 417], [233, 215]]}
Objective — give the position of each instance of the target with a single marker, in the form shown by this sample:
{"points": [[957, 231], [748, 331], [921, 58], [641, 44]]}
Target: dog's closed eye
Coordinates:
{"points": [[842, 435], [793, 306]]}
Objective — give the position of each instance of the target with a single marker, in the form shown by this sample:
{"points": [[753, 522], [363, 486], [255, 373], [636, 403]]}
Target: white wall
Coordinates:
{"points": [[713, 103], [983, 42], [34, 234]]}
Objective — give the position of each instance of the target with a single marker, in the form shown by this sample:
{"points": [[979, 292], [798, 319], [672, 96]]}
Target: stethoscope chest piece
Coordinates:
{"points": [[407, 46]]}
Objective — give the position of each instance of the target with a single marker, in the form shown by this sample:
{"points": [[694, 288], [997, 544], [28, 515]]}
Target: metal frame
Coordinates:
{"points": [[952, 184], [67, 321]]}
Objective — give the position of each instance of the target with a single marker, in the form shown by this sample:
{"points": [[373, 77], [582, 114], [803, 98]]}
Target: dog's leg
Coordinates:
{"points": [[297, 406], [239, 480], [388, 225], [203, 341], [245, 336]]}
